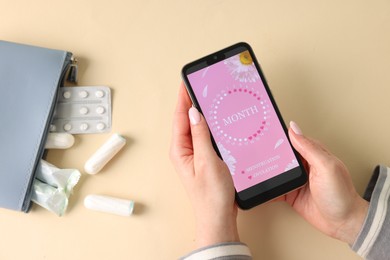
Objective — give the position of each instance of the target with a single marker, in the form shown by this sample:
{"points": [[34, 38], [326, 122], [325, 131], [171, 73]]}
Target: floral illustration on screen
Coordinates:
{"points": [[241, 67], [228, 158]]}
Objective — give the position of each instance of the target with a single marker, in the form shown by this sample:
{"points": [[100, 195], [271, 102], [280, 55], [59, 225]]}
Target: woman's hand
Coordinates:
{"points": [[329, 201], [204, 175]]}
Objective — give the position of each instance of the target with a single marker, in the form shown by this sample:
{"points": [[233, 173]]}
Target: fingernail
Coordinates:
{"points": [[295, 128], [194, 116]]}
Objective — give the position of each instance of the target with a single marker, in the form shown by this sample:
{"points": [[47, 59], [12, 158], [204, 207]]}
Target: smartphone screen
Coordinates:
{"points": [[248, 132]]}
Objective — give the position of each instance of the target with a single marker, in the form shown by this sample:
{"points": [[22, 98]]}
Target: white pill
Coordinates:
{"points": [[83, 94], [100, 126], [108, 204], [84, 126], [67, 94], [104, 154], [83, 110], [53, 128], [99, 94], [100, 110], [67, 127], [59, 141]]}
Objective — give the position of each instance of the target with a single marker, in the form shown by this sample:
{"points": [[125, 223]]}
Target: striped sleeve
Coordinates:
{"points": [[223, 251], [373, 240]]}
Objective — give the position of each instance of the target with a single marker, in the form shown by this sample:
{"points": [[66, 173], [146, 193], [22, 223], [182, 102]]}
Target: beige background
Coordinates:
{"points": [[327, 63]]}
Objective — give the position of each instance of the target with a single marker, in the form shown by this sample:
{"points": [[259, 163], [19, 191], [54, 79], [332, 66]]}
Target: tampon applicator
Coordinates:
{"points": [[104, 154], [108, 204], [59, 141]]}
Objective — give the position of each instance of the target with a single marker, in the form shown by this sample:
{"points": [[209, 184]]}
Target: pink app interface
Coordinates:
{"points": [[242, 120]]}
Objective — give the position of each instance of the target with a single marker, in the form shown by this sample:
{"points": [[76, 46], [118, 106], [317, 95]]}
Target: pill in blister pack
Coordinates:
{"points": [[83, 110]]}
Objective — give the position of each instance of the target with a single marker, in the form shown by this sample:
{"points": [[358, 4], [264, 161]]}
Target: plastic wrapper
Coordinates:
{"points": [[50, 198], [64, 179], [53, 186]]}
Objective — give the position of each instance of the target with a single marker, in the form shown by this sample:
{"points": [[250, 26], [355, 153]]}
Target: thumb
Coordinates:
{"points": [[200, 133], [312, 151]]}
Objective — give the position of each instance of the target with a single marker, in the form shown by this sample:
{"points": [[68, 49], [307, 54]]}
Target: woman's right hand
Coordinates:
{"points": [[329, 200]]}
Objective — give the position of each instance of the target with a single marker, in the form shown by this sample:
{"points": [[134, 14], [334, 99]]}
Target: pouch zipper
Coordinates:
{"points": [[72, 70], [69, 71]]}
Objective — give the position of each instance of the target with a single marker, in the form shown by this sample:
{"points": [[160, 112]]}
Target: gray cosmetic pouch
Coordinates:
{"points": [[29, 80]]}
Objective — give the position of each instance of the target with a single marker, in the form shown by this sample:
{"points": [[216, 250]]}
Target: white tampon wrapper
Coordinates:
{"points": [[59, 141], [104, 154], [108, 204]]}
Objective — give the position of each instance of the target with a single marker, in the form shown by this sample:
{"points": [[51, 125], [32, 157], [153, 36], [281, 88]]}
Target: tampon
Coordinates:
{"points": [[49, 197], [108, 204], [64, 179], [104, 154], [59, 141]]}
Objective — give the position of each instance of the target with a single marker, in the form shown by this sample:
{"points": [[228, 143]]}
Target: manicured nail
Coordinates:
{"points": [[295, 128], [194, 116]]}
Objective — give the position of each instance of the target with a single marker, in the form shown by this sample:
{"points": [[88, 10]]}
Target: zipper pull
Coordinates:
{"points": [[72, 71]]}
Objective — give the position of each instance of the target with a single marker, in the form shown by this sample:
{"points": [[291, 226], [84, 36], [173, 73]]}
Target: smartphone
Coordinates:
{"points": [[247, 129]]}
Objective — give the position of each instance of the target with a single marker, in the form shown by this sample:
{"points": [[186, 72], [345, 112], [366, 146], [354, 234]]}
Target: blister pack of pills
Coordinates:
{"points": [[83, 110]]}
